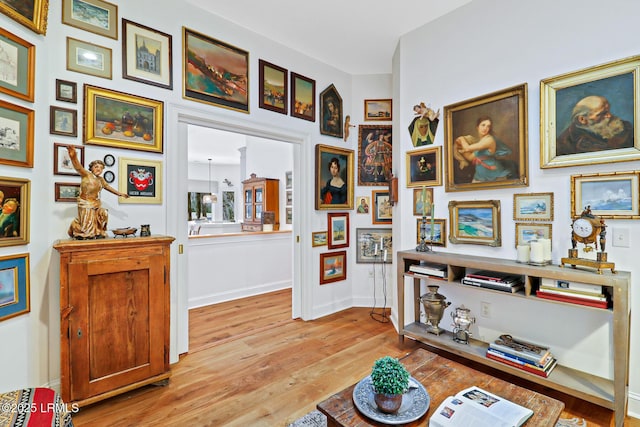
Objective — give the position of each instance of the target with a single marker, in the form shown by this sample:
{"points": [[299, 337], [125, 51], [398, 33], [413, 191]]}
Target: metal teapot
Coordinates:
{"points": [[434, 306]]}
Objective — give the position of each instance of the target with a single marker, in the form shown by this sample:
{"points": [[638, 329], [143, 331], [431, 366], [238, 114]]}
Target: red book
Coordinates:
{"points": [[525, 368], [572, 299]]}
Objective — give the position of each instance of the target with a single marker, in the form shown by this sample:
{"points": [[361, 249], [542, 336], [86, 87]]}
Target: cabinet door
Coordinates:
{"points": [[116, 327]]}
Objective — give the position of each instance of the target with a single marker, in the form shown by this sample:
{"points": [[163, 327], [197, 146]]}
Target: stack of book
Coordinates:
{"points": [[494, 280], [573, 292], [429, 269], [540, 364]]}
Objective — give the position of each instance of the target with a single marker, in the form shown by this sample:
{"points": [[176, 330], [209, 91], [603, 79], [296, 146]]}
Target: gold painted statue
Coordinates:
{"points": [[91, 222]]}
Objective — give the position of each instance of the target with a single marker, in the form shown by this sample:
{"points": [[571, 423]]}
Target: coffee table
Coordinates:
{"points": [[443, 378]]}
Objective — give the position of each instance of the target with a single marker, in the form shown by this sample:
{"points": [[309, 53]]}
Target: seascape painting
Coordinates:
{"points": [[612, 195], [475, 222], [8, 288], [90, 14]]}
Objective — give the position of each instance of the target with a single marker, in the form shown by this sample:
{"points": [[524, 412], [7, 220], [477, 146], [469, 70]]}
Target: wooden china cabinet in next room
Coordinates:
{"points": [[260, 195]]}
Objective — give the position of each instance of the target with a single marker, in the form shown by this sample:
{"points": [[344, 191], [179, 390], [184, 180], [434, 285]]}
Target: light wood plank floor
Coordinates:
{"points": [[251, 365]]}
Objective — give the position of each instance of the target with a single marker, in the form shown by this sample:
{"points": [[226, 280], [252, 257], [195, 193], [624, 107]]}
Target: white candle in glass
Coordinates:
{"points": [[546, 249], [537, 254], [523, 253]]}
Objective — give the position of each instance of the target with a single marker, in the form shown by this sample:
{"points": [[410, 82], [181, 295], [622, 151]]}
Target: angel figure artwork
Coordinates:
{"points": [[91, 222], [347, 127], [424, 125]]}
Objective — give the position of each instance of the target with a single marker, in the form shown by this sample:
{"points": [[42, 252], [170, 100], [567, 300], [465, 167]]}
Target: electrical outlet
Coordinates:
{"points": [[621, 237], [485, 309]]}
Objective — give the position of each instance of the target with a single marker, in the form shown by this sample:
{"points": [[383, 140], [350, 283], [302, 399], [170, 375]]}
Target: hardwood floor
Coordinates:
{"points": [[251, 365]]}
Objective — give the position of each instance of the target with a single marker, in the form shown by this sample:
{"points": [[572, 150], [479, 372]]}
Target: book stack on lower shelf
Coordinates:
{"points": [[538, 361], [438, 271], [494, 280], [573, 292]]}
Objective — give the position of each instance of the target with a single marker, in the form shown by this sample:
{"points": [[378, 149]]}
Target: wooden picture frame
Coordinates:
{"points": [[16, 142], [303, 97], [14, 225], [330, 197], [493, 128], [32, 14], [617, 83], [202, 57], [89, 58], [288, 212], [333, 267], [338, 230], [526, 232], [318, 238], [288, 180], [439, 232], [382, 212], [66, 91], [475, 222], [147, 55], [18, 79], [62, 162], [120, 120], [15, 296], [67, 191], [375, 154], [274, 86], [96, 16], [613, 195], [288, 194], [372, 244], [533, 207], [331, 122], [141, 180], [63, 121], [424, 167], [363, 204], [378, 110]]}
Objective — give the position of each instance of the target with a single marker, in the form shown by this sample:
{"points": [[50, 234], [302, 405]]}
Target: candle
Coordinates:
{"points": [[423, 199], [375, 250], [546, 249], [432, 221], [523, 253], [537, 254]]}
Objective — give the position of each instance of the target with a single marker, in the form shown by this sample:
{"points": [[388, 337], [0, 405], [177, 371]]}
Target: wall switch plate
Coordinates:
{"points": [[620, 237], [485, 309]]}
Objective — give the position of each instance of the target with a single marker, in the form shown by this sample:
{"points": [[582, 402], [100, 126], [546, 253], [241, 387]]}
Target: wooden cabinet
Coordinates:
{"points": [[260, 195], [114, 315], [601, 391]]}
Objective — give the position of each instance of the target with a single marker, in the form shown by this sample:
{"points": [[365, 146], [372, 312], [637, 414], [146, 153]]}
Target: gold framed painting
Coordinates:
{"points": [[319, 238], [96, 16], [141, 180], [15, 198], [526, 232], [118, 119], [485, 141], [16, 139], [334, 178], [378, 109], [422, 201], [612, 195], [533, 207], [17, 78], [15, 298], [475, 222], [32, 14], [88, 58], [424, 167], [591, 116], [439, 235]]}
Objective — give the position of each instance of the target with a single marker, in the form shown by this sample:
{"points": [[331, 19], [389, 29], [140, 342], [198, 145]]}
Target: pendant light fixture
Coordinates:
{"points": [[211, 197]]}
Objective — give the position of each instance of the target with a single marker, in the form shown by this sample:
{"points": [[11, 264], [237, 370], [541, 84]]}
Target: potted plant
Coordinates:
{"points": [[390, 380]]}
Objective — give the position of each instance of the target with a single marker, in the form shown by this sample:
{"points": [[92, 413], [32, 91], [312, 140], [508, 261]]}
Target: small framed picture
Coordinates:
{"points": [[422, 201], [378, 109], [88, 58], [288, 179], [303, 97], [95, 16], [288, 215], [109, 177], [438, 236], [372, 244], [67, 191], [63, 121], [526, 232], [66, 91], [15, 196], [62, 162], [382, 212], [363, 204], [146, 55], [533, 207], [274, 85], [331, 112], [338, 227], [318, 238], [109, 160], [289, 197], [609, 195], [424, 167], [15, 292], [475, 222], [333, 267], [141, 180], [18, 63], [16, 140]]}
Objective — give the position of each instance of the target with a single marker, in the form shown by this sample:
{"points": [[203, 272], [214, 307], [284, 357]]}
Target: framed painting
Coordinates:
{"points": [[338, 229], [215, 72], [18, 66], [422, 201], [274, 83], [334, 178], [363, 205], [475, 222], [485, 141], [435, 238], [62, 162], [67, 191], [333, 267], [96, 16], [424, 125], [66, 91], [533, 207], [526, 232], [120, 120], [288, 211], [146, 55], [331, 112], [303, 97], [374, 154], [378, 109], [88, 58], [373, 244], [424, 167], [288, 180], [609, 195], [109, 177], [141, 180], [63, 121], [15, 198], [229, 206], [318, 238], [288, 198], [591, 116], [16, 137], [382, 212], [16, 287], [30, 13]]}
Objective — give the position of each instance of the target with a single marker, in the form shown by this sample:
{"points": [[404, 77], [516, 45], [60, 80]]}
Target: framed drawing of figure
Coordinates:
{"points": [[334, 178], [374, 154]]}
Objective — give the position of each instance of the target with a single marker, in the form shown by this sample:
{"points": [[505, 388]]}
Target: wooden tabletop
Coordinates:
{"points": [[443, 378]]}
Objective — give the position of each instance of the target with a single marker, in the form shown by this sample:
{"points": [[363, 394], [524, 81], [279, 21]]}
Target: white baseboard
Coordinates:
{"points": [[237, 294], [633, 405]]}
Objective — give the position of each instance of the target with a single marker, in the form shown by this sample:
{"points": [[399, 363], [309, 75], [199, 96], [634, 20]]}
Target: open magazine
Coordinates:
{"points": [[478, 408]]}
